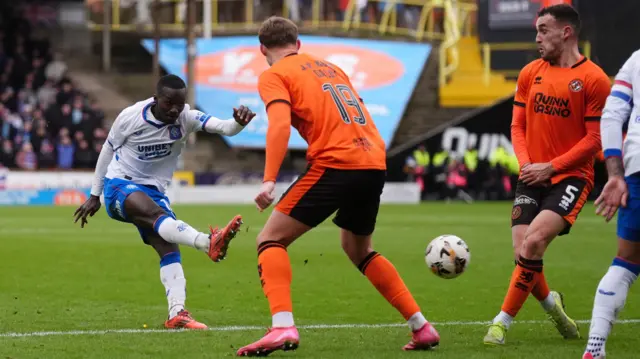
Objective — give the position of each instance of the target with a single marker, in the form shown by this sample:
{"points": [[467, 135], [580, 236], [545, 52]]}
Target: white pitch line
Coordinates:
{"points": [[235, 328]]}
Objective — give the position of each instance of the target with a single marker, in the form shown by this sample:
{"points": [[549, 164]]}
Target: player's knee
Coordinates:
{"points": [[271, 236], [357, 248], [535, 243], [149, 218], [629, 250]]}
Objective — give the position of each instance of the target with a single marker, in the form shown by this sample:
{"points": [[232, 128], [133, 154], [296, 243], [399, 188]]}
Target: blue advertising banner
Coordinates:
{"points": [[227, 69], [45, 197]]}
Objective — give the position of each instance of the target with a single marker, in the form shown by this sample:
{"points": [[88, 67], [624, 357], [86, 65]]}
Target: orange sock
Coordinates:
{"points": [[384, 276], [524, 278], [541, 290], [274, 269]]}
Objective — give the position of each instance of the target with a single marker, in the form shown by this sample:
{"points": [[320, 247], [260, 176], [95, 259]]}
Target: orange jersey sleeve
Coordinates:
{"points": [[272, 88], [327, 112], [522, 87], [519, 118], [277, 100], [278, 133], [583, 153]]}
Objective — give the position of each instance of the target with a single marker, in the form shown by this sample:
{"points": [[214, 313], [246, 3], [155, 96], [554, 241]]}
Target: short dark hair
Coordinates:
{"points": [[278, 32], [565, 13], [170, 81]]}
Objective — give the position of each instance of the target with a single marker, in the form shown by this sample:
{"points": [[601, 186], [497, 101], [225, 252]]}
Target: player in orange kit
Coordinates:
{"points": [[346, 173], [556, 137]]}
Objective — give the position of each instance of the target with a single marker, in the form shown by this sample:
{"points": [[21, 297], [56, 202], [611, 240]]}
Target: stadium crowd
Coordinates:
{"points": [[46, 122], [298, 10]]}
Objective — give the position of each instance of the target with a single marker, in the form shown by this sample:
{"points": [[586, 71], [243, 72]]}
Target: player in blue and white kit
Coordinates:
{"points": [[621, 191], [136, 166]]}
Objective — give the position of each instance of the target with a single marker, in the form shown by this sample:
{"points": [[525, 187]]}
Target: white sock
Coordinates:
{"points": [[548, 303], [282, 320], [610, 299], [178, 232], [503, 318], [416, 321], [172, 277]]}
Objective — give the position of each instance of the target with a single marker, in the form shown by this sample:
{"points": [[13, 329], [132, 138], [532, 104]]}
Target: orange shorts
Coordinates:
{"points": [[565, 198], [321, 191]]}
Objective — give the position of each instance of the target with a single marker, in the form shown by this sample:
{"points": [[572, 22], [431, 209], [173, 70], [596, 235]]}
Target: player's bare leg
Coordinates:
{"points": [[175, 284], [611, 296], [527, 274], [387, 281], [274, 269], [144, 212]]}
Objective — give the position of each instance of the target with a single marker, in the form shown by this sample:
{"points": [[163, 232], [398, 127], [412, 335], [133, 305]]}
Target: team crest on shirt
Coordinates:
{"points": [[576, 85], [175, 132]]}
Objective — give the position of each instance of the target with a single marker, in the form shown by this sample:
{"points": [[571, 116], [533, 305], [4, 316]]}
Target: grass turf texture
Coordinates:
{"points": [[58, 277]]}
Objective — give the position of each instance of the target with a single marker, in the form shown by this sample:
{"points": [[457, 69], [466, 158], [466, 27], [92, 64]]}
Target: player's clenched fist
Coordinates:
{"points": [[243, 115], [265, 197]]}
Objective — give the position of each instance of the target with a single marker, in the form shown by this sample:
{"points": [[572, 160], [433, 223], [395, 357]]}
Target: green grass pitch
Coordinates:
{"points": [[72, 287]]}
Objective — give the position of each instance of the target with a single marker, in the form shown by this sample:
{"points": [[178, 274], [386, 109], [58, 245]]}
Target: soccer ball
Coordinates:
{"points": [[447, 256]]}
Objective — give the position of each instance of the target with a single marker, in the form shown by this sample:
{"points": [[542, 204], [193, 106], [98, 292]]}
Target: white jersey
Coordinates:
{"points": [[144, 150], [623, 105]]}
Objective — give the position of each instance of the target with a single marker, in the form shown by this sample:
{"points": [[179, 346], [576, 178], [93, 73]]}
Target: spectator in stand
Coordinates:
{"points": [[56, 69], [47, 155], [85, 157], [66, 151], [26, 159], [66, 93], [47, 94], [8, 156], [40, 135]]}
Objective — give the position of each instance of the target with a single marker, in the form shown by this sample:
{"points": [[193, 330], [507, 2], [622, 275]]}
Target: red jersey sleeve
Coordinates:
{"points": [[273, 89]]}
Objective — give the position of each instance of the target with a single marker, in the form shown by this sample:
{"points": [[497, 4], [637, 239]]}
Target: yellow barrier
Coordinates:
{"points": [[386, 21], [487, 48]]}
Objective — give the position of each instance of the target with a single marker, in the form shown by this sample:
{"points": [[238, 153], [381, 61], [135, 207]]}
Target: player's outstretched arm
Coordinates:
{"points": [[242, 116]]}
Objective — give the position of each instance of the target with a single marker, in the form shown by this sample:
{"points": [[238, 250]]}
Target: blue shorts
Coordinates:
{"points": [[116, 192], [629, 217]]}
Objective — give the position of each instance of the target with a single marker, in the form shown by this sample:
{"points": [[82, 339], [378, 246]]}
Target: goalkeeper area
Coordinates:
{"points": [[95, 292]]}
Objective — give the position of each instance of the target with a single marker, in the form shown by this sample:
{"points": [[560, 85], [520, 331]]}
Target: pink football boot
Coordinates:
{"points": [[424, 338], [276, 338]]}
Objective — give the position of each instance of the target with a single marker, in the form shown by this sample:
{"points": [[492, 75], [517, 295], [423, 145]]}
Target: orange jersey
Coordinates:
{"points": [[560, 121], [327, 112]]}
